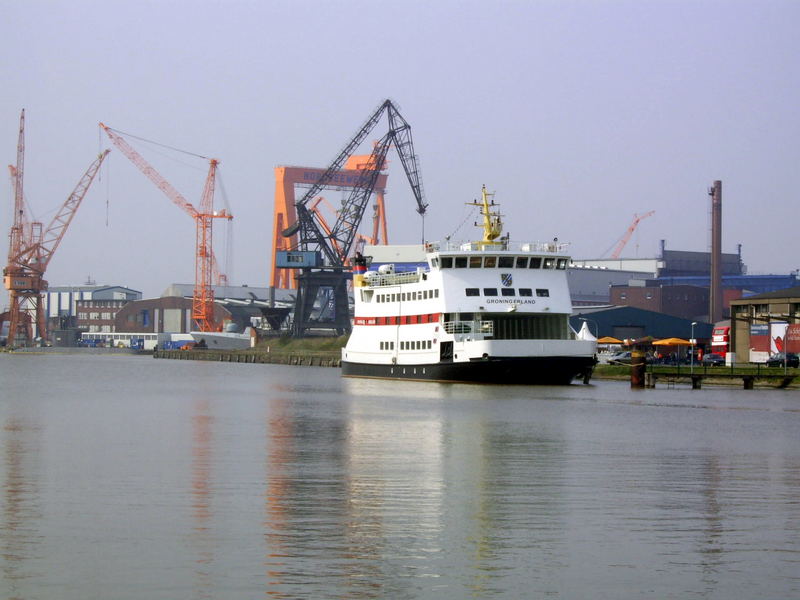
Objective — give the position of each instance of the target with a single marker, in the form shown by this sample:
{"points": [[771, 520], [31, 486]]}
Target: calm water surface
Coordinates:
{"points": [[125, 477]]}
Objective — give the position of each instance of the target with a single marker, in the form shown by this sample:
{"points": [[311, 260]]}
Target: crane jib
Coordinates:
{"points": [[337, 242]]}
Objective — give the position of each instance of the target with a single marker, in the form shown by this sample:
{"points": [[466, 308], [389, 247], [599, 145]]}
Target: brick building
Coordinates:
{"points": [[683, 301], [97, 316], [170, 314]]}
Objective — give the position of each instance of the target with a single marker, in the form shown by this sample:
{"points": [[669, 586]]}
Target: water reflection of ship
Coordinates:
{"points": [[386, 499]]}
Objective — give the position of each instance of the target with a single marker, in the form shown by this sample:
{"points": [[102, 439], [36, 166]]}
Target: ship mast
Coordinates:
{"points": [[492, 222]]}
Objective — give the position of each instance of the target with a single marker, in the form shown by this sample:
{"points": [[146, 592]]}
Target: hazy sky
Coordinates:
{"points": [[577, 114]]}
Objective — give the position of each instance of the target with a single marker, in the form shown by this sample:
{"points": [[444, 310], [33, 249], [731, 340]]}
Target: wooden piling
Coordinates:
{"points": [[638, 368]]}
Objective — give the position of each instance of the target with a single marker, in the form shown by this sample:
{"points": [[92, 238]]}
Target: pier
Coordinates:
{"points": [[748, 375]]}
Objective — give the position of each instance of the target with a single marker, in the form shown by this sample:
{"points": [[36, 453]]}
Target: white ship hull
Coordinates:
{"points": [[220, 340]]}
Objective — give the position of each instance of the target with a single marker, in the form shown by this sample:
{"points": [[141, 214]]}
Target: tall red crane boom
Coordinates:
{"points": [[35, 253], [19, 222], [629, 232], [205, 262]]}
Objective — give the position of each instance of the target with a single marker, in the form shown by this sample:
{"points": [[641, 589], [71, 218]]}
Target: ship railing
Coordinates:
{"points": [[377, 279], [554, 247], [475, 329]]}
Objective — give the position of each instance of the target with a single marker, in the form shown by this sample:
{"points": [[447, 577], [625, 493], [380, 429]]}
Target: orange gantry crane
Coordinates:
{"points": [[205, 262], [30, 249], [349, 178], [629, 232]]}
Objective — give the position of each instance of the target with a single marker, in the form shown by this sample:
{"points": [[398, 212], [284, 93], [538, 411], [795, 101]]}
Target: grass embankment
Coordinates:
{"points": [[289, 345], [612, 372]]}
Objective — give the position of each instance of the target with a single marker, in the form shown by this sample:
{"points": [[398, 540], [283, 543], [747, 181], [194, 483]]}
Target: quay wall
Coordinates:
{"points": [[300, 359]]}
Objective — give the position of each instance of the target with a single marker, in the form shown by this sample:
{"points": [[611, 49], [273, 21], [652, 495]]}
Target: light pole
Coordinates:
{"points": [[691, 340], [596, 326]]}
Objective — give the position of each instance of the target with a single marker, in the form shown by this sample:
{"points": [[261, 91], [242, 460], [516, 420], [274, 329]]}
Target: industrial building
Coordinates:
{"points": [[591, 286], [171, 314], [764, 324], [97, 316], [626, 322], [683, 301], [61, 302], [244, 304], [99, 309]]}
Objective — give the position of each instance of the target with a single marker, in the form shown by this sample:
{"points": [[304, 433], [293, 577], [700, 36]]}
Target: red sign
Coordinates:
{"points": [[793, 338]]}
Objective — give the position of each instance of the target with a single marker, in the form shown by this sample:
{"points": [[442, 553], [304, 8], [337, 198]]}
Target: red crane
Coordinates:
{"points": [[205, 262], [627, 235], [31, 248]]}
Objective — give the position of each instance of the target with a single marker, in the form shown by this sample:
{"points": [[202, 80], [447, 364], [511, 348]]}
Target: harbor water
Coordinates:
{"points": [[125, 477]]}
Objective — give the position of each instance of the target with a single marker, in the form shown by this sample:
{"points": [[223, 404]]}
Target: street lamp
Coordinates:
{"points": [[691, 340], [596, 326]]}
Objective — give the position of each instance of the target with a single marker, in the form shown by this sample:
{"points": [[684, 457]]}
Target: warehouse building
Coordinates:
{"points": [[764, 324], [629, 323], [61, 302]]}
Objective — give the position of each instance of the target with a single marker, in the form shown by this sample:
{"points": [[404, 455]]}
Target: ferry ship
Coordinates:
{"points": [[490, 311]]}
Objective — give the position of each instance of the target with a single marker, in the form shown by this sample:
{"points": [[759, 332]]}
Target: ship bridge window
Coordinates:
{"points": [[506, 262], [525, 292], [475, 262], [536, 262], [447, 262], [562, 263], [490, 262], [472, 292], [490, 291], [461, 262], [549, 263], [508, 291], [522, 262], [435, 262], [542, 293]]}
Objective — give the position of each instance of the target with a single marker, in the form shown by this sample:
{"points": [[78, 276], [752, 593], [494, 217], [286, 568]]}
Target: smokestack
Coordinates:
{"points": [[715, 295]]}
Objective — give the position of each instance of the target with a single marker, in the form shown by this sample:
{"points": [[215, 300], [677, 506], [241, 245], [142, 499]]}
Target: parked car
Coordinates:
{"points": [[620, 357], [713, 360], [776, 360]]}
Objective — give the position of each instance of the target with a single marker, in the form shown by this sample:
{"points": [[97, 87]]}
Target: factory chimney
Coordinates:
{"points": [[715, 295]]}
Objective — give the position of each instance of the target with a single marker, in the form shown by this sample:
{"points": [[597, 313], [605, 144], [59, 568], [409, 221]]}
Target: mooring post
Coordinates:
{"points": [[638, 368]]}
